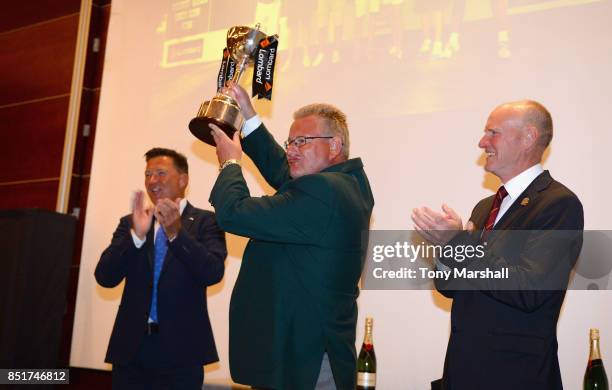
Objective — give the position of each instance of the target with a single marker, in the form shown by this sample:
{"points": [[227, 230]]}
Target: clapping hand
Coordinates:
{"points": [[438, 227], [142, 215], [168, 214]]}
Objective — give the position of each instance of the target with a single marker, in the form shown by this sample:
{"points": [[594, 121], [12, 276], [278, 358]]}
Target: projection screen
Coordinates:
{"points": [[417, 80]]}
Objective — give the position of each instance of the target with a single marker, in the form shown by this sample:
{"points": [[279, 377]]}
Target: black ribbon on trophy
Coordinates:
{"points": [[245, 47], [263, 72], [226, 72]]}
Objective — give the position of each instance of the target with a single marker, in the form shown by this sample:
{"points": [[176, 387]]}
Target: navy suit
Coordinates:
{"points": [[195, 259], [507, 339]]}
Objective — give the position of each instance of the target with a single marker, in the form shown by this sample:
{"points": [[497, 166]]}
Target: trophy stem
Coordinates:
{"points": [[239, 69]]}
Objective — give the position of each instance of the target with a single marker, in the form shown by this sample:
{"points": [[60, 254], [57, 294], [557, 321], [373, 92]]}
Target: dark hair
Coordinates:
{"points": [[180, 161]]}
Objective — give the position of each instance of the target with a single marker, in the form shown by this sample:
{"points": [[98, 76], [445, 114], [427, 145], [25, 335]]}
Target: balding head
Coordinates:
{"points": [[516, 135], [535, 114]]}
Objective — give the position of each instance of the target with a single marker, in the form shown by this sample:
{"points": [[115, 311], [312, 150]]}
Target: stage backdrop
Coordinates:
{"points": [[416, 79]]}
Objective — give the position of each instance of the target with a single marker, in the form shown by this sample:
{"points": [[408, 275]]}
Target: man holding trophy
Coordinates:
{"points": [[293, 310]]}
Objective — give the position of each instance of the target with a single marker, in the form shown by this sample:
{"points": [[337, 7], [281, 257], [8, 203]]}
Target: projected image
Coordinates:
{"points": [[423, 44], [335, 31]]}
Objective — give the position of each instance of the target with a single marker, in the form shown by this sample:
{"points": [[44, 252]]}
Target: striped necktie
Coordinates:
{"points": [[499, 197]]}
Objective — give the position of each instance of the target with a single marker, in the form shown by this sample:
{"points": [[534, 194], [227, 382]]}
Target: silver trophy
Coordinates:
{"points": [[223, 110]]}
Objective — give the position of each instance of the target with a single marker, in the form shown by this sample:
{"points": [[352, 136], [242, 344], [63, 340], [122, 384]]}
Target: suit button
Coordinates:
{"points": [[454, 329]]}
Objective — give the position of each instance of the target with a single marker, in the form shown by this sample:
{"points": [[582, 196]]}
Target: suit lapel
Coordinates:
{"points": [[524, 202], [150, 246], [481, 213], [187, 219]]}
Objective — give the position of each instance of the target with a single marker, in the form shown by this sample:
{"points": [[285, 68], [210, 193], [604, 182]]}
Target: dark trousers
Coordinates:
{"points": [[151, 370]]}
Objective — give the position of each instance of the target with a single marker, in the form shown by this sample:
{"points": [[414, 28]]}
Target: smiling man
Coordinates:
{"points": [[293, 310], [503, 335], [167, 254]]}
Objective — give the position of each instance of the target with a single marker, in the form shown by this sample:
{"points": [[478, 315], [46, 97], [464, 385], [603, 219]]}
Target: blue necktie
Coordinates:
{"points": [[161, 247]]}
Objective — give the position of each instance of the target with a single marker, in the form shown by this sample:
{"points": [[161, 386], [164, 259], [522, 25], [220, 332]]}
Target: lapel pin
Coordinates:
{"points": [[191, 218], [525, 201]]}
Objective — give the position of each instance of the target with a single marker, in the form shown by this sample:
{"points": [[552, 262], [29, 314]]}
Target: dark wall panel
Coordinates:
{"points": [[32, 139], [95, 60], [26, 195], [84, 142], [36, 62], [24, 13], [79, 189], [37, 43]]}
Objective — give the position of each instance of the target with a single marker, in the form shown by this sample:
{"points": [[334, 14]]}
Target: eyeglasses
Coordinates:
{"points": [[301, 140]]}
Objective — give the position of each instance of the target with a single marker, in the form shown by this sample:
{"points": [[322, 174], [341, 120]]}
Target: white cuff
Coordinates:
{"points": [[250, 125], [137, 241]]}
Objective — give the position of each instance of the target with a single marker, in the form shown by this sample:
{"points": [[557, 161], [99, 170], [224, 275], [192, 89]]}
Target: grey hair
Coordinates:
{"points": [[334, 119]]}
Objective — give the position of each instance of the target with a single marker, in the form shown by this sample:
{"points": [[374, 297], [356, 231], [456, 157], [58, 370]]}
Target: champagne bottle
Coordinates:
{"points": [[595, 376], [366, 363]]}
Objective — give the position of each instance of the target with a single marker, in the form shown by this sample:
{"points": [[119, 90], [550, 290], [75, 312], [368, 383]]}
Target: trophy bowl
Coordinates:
{"points": [[223, 110], [242, 42]]}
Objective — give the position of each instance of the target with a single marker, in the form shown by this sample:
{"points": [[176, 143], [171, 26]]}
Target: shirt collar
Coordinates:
{"points": [[182, 205], [520, 182]]}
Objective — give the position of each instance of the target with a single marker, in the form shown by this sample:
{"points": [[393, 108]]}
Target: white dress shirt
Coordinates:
{"points": [[516, 186], [250, 125]]}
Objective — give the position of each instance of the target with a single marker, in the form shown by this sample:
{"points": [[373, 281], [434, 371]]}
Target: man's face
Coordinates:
{"points": [[504, 143], [162, 180], [314, 156]]}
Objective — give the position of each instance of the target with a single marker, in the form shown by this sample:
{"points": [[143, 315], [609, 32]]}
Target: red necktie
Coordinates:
{"points": [[499, 196]]}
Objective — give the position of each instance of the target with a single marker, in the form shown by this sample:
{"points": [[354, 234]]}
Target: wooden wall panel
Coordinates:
{"points": [[25, 13], [29, 195], [32, 140], [36, 62], [37, 44]]}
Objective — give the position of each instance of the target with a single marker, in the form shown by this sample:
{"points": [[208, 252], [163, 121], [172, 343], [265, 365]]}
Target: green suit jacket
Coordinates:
{"points": [[295, 296]]}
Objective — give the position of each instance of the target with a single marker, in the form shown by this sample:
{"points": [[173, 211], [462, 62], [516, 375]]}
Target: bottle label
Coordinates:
{"points": [[366, 379]]}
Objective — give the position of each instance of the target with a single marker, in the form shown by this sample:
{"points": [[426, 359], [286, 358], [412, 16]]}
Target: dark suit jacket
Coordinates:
{"points": [[504, 339], [195, 259], [295, 296]]}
